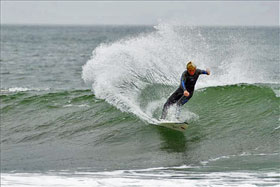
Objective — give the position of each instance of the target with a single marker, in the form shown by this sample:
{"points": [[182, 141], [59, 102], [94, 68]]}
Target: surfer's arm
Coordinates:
{"points": [[206, 72], [183, 84], [183, 81]]}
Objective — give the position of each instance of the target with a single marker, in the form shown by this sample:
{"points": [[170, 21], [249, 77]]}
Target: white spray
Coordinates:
{"points": [[119, 71]]}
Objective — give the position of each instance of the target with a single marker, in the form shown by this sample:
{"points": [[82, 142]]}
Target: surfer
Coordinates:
{"points": [[185, 91]]}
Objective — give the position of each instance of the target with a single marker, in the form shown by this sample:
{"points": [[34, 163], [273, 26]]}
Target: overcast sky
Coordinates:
{"points": [[139, 12]]}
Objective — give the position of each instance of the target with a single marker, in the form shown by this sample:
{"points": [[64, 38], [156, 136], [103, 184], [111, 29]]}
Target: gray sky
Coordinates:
{"points": [[139, 12]]}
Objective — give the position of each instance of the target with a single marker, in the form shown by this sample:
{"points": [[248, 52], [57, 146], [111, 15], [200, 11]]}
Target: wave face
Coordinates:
{"points": [[53, 125], [120, 71], [235, 123]]}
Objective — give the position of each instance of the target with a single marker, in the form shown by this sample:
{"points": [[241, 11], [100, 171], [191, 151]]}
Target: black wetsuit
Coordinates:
{"points": [[187, 83]]}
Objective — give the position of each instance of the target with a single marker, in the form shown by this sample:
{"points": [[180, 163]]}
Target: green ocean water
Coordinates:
{"points": [[79, 102]]}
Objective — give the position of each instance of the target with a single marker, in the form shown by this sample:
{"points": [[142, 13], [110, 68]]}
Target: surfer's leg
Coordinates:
{"points": [[171, 100], [166, 106], [178, 111], [183, 100], [164, 110]]}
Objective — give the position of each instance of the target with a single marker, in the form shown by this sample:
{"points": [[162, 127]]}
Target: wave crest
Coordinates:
{"points": [[120, 71]]}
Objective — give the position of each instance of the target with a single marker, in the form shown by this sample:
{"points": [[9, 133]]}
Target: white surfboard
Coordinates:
{"points": [[179, 126]]}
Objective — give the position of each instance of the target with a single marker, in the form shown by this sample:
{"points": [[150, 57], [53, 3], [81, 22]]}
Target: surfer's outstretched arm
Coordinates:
{"points": [[207, 71]]}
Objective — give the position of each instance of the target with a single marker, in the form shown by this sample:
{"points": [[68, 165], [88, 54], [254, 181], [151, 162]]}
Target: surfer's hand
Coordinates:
{"points": [[208, 71], [186, 93]]}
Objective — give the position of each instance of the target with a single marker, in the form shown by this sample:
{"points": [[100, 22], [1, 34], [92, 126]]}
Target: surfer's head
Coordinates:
{"points": [[191, 67]]}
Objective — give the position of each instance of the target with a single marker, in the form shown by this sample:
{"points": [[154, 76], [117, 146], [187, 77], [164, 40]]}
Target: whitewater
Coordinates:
{"points": [[120, 71]]}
